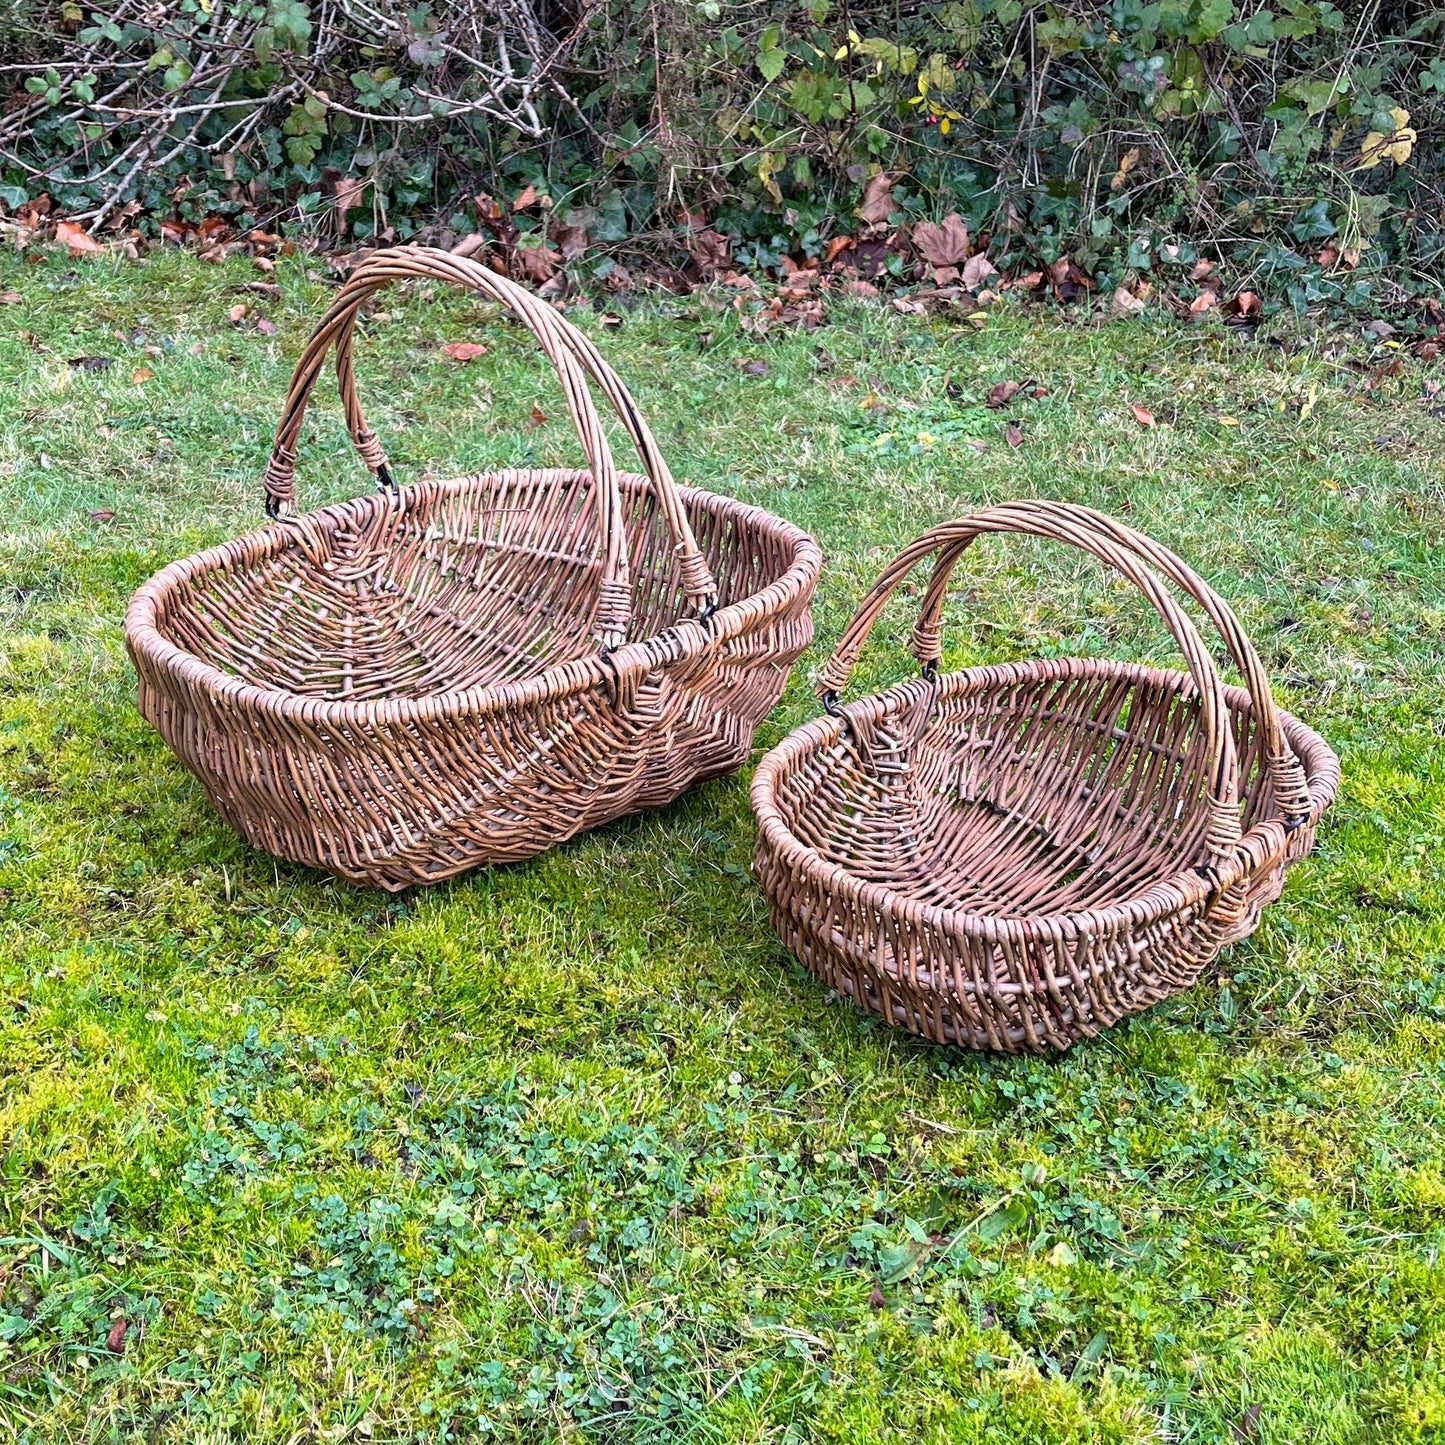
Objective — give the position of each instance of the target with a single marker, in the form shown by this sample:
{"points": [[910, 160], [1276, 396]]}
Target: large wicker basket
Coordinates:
{"points": [[1016, 857], [455, 673]]}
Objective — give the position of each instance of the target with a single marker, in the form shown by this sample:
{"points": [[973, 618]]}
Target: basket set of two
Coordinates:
{"points": [[450, 674]]}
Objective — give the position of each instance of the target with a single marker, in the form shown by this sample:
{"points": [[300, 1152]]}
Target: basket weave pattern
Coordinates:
{"points": [[1015, 857], [455, 673]]}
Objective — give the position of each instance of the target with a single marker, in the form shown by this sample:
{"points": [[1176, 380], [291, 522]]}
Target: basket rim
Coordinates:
{"points": [[1262, 847], [685, 638]]}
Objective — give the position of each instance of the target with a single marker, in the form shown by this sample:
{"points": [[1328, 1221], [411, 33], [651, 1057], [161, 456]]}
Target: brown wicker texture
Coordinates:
{"points": [[457, 673], [1016, 857]]}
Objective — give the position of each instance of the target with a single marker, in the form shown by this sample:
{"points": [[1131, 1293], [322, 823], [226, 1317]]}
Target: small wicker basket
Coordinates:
{"points": [[1016, 857], [456, 673]]}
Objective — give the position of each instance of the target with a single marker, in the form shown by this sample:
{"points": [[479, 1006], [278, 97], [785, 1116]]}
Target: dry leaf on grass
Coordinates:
{"points": [[1205, 301], [9, 298], [463, 351], [1001, 393], [1126, 303], [1143, 416], [1013, 434], [239, 312], [141, 375], [537, 418], [76, 238], [102, 514], [266, 328]]}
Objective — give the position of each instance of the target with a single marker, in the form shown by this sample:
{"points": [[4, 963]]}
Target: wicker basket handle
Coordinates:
{"points": [[1290, 787], [614, 593], [564, 344], [1073, 526], [697, 579]]}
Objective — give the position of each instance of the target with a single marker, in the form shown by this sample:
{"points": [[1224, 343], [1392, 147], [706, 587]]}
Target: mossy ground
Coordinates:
{"points": [[573, 1150]]}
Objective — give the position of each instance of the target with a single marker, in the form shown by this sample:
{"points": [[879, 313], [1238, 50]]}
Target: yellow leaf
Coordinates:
{"points": [[853, 36], [926, 439], [1330, 484], [870, 400], [1229, 421], [1372, 151], [1396, 146], [842, 53], [943, 126]]}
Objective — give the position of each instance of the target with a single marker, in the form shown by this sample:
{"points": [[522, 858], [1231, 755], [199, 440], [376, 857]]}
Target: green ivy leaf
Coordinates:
{"points": [[771, 63]]}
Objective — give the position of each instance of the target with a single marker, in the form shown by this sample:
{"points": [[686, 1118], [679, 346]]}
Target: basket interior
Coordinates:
{"points": [[1047, 796], [487, 579]]}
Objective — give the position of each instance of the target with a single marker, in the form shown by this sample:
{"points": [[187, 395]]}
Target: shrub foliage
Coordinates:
{"points": [[1301, 140]]}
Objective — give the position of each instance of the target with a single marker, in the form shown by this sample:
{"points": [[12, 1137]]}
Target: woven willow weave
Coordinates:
{"points": [[1016, 857], [455, 673]]}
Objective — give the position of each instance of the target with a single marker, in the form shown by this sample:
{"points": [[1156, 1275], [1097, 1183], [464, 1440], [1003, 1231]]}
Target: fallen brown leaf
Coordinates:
{"points": [[876, 1299], [1067, 279], [1142, 416], [265, 327], [976, 270], [115, 1339], [239, 312], [349, 191], [1202, 303], [877, 199], [76, 238], [835, 248], [536, 263], [9, 298], [1013, 434], [469, 245], [1247, 304], [141, 375], [537, 418], [527, 196], [945, 244], [102, 514], [463, 351], [571, 241], [1001, 393], [1200, 270], [1125, 303]]}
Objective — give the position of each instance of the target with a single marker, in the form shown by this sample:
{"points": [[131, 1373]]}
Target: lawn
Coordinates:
{"points": [[572, 1149]]}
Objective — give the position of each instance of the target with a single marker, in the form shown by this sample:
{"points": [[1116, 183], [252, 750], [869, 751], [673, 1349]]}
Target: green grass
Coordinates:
{"points": [[573, 1150]]}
